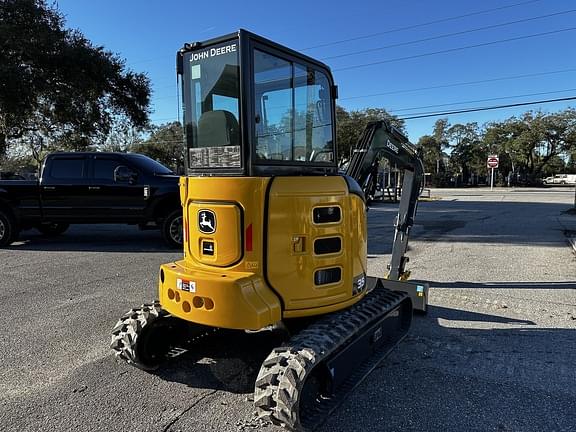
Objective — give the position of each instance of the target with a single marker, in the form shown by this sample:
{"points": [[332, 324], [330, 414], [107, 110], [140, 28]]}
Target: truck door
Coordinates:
{"points": [[64, 188], [117, 191]]}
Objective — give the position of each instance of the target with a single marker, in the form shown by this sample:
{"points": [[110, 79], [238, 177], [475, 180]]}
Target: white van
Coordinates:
{"points": [[561, 179]]}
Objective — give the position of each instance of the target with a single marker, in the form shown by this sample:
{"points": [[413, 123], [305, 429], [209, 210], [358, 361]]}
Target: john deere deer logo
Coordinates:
{"points": [[207, 221]]}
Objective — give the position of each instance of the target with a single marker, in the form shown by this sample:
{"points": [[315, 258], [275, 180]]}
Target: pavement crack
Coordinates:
{"points": [[179, 416]]}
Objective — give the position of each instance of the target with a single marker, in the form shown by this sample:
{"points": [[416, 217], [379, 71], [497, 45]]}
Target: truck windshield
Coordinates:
{"points": [[211, 106], [149, 165]]}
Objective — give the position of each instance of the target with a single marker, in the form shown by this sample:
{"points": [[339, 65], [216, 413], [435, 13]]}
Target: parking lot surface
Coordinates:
{"points": [[496, 351]]}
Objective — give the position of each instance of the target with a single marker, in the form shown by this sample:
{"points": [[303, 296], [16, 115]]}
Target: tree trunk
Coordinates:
{"points": [[3, 145]]}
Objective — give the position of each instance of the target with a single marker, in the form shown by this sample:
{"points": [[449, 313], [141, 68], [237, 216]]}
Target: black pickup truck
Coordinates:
{"points": [[77, 188]]}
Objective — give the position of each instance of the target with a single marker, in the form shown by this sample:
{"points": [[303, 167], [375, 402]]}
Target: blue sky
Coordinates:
{"points": [[148, 34]]}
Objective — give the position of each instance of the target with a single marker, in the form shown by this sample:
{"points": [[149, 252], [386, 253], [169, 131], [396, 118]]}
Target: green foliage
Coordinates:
{"points": [[530, 147], [441, 133], [431, 150], [434, 159], [19, 164], [537, 144], [57, 85], [166, 145], [122, 137], [469, 152], [351, 124], [430, 153]]}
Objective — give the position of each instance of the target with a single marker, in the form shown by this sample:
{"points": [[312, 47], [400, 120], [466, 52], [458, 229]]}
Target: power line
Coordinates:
{"points": [[440, 86], [453, 18], [455, 49], [448, 35], [482, 100], [420, 25], [460, 84], [462, 111], [473, 101], [165, 97], [165, 87], [435, 86], [440, 114]]}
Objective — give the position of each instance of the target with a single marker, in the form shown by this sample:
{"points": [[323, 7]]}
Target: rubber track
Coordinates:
{"points": [[126, 331], [282, 376]]}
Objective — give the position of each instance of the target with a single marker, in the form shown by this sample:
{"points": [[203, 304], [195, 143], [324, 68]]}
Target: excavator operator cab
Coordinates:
{"points": [[255, 108]]}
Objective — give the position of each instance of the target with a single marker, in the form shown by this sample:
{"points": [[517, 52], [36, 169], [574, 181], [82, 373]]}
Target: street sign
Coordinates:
{"points": [[492, 161]]}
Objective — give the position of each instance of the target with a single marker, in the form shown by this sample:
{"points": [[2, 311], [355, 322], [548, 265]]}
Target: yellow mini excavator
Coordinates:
{"points": [[275, 235]]}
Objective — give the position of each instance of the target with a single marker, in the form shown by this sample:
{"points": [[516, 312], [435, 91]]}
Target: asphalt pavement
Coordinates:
{"points": [[496, 351]]}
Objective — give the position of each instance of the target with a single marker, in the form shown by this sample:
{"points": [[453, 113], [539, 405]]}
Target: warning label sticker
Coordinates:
{"points": [[215, 157], [185, 285]]}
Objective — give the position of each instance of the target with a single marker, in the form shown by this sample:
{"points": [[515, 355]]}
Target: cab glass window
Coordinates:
{"points": [[293, 111], [67, 168], [212, 111], [104, 169]]}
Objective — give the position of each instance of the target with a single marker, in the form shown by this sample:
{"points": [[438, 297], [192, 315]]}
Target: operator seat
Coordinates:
{"points": [[218, 128]]}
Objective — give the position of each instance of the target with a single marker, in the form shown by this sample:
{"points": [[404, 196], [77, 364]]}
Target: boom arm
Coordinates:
{"points": [[380, 139]]}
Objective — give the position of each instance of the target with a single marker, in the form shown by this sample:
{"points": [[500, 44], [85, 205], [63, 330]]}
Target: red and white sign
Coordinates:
{"points": [[492, 161]]}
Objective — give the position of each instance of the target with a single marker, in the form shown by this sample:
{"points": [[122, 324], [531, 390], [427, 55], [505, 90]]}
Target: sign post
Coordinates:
{"points": [[492, 163]]}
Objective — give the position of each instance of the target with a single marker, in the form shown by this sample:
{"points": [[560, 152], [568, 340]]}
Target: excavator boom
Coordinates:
{"points": [[382, 140]]}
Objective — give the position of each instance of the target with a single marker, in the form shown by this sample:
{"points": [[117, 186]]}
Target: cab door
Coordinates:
{"points": [[117, 191], [64, 188]]}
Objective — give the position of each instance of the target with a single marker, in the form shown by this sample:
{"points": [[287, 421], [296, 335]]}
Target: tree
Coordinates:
{"points": [[122, 137], [55, 84], [350, 125], [166, 145], [571, 164], [558, 133], [537, 143], [441, 133], [429, 151], [432, 147], [469, 152]]}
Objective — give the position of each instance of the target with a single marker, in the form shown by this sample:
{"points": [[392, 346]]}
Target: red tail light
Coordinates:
{"points": [[249, 238]]}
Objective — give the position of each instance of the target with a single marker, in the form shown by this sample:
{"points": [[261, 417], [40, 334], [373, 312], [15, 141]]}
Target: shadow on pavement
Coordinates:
{"points": [[503, 285], [492, 222], [228, 360], [439, 221], [462, 315], [445, 377], [93, 238]]}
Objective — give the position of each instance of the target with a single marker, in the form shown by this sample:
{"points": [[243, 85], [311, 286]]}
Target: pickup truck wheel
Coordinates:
{"points": [[8, 229], [52, 229], [172, 229]]}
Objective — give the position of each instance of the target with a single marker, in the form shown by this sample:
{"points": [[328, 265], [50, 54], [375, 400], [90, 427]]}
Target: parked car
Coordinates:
{"points": [[561, 179], [78, 188]]}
